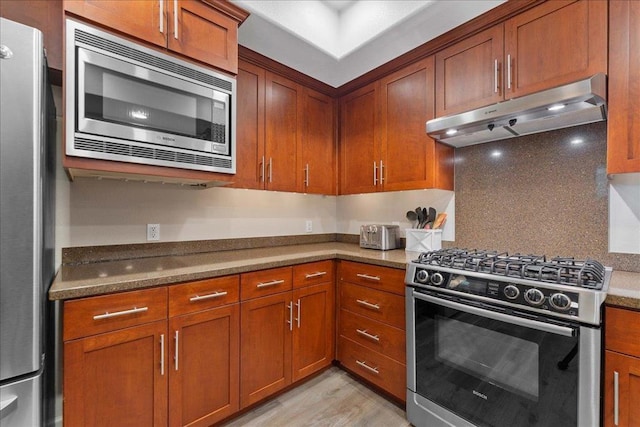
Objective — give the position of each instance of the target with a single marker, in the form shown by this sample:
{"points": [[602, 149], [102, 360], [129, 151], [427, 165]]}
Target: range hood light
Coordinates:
{"points": [[452, 132], [556, 107]]}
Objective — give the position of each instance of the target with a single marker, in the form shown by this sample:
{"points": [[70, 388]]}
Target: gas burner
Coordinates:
{"points": [[563, 271]]}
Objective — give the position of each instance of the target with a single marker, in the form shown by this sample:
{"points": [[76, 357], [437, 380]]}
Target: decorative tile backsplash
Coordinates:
{"points": [[542, 194]]}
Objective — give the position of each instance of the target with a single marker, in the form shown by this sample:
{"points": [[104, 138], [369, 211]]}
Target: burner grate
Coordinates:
{"points": [[560, 270]]}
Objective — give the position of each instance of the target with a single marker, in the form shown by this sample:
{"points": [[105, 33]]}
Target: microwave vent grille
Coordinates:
{"points": [[128, 151], [151, 60]]}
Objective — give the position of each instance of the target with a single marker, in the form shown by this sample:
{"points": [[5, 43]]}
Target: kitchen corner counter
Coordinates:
{"points": [[97, 278], [624, 290]]}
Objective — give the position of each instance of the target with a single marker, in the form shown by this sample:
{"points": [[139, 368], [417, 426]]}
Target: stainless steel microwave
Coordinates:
{"points": [[128, 103]]}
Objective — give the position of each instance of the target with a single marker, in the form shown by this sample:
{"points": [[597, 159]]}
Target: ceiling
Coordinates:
{"points": [[336, 41]]}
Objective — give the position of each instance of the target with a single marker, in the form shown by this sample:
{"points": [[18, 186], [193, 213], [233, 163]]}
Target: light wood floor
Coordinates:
{"points": [[331, 399]]}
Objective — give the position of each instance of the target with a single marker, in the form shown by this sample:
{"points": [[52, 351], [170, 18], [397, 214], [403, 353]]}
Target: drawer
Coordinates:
{"points": [[373, 276], [203, 294], [95, 315], [377, 305], [374, 367], [312, 273], [265, 282], [374, 335], [622, 331]]}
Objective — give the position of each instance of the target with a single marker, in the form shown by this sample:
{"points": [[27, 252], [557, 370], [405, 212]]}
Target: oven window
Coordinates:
{"points": [[494, 373], [110, 96]]}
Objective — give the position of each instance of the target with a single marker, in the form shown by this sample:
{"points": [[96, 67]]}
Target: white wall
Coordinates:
{"points": [[624, 214]]}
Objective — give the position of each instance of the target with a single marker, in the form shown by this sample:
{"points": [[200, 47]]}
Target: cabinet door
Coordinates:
{"points": [[265, 347], [118, 378], [313, 343], [200, 32], [204, 366], [318, 159], [627, 371], [282, 135], [468, 74], [623, 125], [555, 43], [250, 166], [143, 19], [409, 155], [359, 139]]}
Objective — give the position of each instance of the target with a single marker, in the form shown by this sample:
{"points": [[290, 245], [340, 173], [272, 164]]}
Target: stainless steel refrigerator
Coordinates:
{"points": [[27, 183]]}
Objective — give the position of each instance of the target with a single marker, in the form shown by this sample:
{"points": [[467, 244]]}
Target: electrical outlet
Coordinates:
{"points": [[308, 227], [153, 231]]}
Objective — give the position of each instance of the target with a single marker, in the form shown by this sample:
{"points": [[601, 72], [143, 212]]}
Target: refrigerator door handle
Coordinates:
{"points": [[8, 405]]}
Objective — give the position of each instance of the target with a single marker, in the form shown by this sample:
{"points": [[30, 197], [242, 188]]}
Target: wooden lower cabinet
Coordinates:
{"points": [[204, 366], [117, 378]]}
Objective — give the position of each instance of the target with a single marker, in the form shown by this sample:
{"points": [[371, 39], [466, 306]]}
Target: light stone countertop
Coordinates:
{"points": [[98, 278]]}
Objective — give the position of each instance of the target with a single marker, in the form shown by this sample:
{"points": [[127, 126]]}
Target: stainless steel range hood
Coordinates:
{"points": [[564, 106]]}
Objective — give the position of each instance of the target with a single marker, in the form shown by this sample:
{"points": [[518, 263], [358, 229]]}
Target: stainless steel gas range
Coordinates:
{"points": [[495, 339]]}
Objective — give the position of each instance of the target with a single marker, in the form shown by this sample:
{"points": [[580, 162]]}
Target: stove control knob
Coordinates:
{"points": [[560, 302], [422, 276], [437, 279], [511, 291], [534, 297]]}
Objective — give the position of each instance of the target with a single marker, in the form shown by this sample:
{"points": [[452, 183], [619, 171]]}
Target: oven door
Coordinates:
{"points": [[118, 99], [470, 364]]}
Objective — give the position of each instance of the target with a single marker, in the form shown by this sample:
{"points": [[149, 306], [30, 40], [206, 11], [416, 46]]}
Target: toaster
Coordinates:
{"points": [[379, 236]]}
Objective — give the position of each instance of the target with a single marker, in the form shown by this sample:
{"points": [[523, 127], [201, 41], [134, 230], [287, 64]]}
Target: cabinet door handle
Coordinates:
{"points": [[161, 23], [108, 315], [381, 172], [162, 354], [270, 169], [175, 355], [375, 173], [495, 76], [271, 283], [298, 306], [368, 335], [366, 276], [509, 71], [208, 296], [290, 321], [262, 170], [306, 175], [369, 368], [368, 304], [616, 398], [175, 19], [312, 275]]}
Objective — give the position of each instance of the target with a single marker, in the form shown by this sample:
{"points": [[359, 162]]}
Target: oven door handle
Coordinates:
{"points": [[541, 326]]}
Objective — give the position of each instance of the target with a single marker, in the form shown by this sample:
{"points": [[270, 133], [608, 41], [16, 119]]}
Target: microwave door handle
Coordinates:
{"points": [[533, 324]]}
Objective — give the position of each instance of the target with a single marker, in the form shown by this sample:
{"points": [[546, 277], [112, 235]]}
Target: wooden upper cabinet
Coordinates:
{"points": [[409, 158], [623, 126], [282, 135], [206, 31], [556, 43], [250, 127], [468, 74], [143, 19], [201, 32], [359, 151], [317, 150], [43, 15]]}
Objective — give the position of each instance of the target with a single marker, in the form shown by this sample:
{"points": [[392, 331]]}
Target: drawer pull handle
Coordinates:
{"points": [[366, 276], [208, 296], [368, 304], [271, 283], [368, 335], [318, 274], [367, 367], [108, 315]]}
